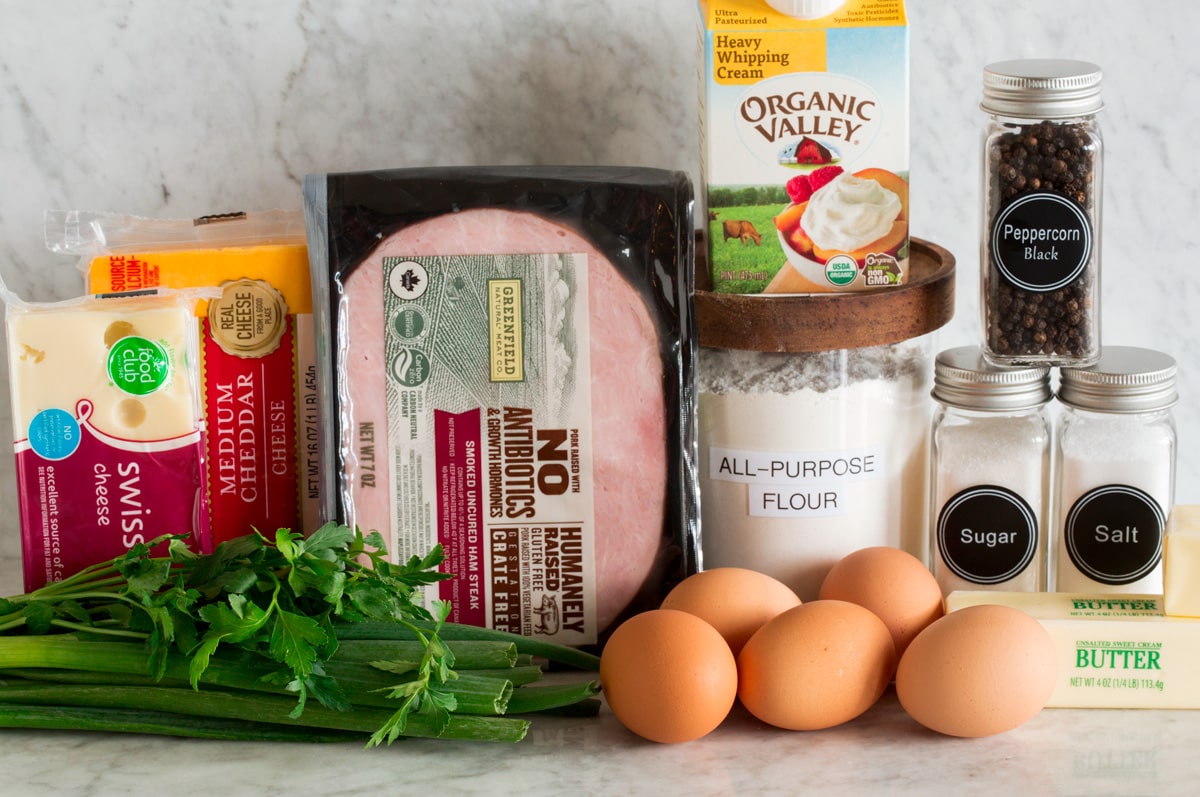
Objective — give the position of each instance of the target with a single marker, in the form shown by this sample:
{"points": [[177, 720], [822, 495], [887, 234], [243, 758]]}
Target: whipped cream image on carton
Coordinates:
{"points": [[805, 144]]}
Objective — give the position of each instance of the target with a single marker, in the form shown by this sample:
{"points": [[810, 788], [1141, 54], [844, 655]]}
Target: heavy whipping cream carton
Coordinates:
{"points": [[805, 142]]}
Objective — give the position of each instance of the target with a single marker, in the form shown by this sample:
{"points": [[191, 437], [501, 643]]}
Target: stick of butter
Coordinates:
{"points": [[1114, 651], [1181, 562]]}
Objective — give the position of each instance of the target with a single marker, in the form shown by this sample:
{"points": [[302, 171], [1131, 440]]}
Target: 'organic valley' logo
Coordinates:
{"points": [[808, 119]]}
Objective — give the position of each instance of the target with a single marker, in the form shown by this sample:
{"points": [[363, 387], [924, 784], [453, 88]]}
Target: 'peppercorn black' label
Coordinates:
{"points": [[1041, 241], [1114, 534], [987, 534]]}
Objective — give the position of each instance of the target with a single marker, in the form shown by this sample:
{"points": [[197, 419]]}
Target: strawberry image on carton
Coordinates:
{"points": [[805, 144]]}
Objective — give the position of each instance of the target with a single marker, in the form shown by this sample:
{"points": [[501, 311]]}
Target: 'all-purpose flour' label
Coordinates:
{"points": [[805, 141], [796, 484], [491, 450]]}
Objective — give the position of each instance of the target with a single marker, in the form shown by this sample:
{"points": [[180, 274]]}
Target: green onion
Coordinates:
{"points": [[122, 720], [267, 709], [290, 638], [451, 632]]}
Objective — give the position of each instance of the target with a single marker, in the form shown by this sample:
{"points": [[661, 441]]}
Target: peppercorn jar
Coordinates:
{"points": [[1115, 464], [1041, 213], [990, 475]]}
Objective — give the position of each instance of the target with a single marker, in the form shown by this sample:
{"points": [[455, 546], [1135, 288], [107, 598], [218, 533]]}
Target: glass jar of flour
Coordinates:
{"points": [[1116, 471], [990, 448], [813, 415]]}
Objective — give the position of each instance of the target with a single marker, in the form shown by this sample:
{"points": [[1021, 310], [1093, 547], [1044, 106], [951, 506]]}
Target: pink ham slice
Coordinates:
{"points": [[628, 405]]}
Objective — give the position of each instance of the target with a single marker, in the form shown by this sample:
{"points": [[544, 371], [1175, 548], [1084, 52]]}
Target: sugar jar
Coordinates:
{"points": [[990, 474]]}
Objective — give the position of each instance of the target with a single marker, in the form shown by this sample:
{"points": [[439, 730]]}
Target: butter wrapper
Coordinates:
{"points": [[1114, 651]]}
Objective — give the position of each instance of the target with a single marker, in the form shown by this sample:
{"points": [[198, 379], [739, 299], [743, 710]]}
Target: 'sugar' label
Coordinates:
{"points": [[489, 437], [987, 534]]}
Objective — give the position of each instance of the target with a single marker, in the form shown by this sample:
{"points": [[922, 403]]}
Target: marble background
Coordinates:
{"points": [[181, 109]]}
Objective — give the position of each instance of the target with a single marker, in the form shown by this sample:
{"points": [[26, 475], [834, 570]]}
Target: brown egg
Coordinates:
{"points": [[668, 676], [815, 666], [893, 584], [733, 600], [978, 671]]}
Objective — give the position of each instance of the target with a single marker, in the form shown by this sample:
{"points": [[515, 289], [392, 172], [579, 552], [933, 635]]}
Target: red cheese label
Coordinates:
{"points": [[250, 405], [87, 496], [460, 530]]}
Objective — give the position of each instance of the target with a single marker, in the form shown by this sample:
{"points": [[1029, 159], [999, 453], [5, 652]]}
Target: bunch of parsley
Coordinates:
{"points": [[258, 620]]}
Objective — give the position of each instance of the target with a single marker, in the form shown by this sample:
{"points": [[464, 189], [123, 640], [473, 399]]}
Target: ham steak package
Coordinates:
{"points": [[505, 367]]}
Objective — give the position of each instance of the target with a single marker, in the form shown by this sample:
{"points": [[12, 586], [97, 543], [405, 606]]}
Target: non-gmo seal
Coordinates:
{"points": [[249, 318], [139, 366]]}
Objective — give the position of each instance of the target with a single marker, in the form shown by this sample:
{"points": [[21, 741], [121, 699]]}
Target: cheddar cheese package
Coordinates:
{"points": [[257, 362]]}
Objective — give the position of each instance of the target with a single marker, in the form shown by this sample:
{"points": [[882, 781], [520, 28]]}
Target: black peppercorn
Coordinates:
{"points": [[1041, 242]]}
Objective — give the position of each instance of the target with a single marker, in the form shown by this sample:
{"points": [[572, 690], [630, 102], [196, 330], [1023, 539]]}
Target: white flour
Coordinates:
{"points": [[806, 457]]}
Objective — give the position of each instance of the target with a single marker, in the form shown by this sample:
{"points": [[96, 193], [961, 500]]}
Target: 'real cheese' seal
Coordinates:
{"points": [[249, 318]]}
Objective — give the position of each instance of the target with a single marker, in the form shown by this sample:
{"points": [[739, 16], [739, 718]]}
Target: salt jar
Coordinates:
{"points": [[1041, 212], [813, 415], [990, 473], [1115, 457]]}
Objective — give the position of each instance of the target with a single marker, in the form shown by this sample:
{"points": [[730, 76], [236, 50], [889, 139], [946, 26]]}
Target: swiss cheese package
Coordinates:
{"points": [[805, 144], [109, 437], [257, 359]]}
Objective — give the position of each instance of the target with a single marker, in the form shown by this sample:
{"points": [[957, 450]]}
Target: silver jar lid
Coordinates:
{"points": [[1042, 88], [1126, 379], [962, 377]]}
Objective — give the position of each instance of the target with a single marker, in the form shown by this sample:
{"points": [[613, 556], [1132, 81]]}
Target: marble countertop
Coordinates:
{"points": [[1059, 752], [186, 109]]}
